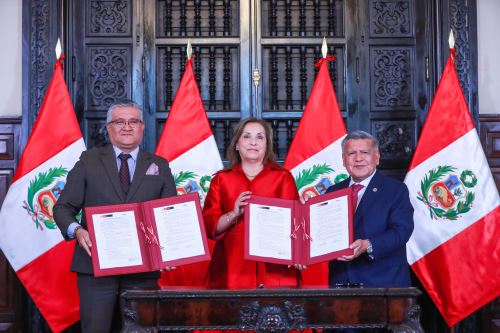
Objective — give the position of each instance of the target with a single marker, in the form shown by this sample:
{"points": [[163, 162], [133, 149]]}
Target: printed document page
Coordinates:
{"points": [[329, 226], [179, 231], [117, 240], [270, 230]]}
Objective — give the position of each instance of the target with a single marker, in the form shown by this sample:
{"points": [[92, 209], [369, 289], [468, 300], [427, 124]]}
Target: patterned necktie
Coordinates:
{"points": [[124, 172], [355, 190]]}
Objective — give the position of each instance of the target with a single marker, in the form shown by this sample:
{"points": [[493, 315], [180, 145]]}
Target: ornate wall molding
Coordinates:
{"points": [[458, 21], [39, 46], [109, 18], [108, 79], [391, 18], [41, 26], [462, 18], [392, 83]]}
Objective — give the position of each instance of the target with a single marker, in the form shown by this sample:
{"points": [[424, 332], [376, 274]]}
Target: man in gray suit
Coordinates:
{"points": [[115, 174]]}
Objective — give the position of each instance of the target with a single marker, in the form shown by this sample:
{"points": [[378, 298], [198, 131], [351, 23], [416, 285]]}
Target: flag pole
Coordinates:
{"points": [[58, 49], [451, 43], [451, 39], [324, 48], [189, 50]]}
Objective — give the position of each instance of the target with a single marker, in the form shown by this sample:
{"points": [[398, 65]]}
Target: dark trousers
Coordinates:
{"points": [[99, 298]]}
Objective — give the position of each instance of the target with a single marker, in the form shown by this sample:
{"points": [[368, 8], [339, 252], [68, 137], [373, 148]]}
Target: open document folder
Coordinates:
{"points": [[147, 236], [287, 232]]}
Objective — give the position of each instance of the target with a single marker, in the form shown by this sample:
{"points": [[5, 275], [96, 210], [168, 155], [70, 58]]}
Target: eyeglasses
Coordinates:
{"points": [[121, 123]]}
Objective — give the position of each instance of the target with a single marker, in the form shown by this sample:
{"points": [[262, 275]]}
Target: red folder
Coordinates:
{"points": [[145, 232], [300, 227]]}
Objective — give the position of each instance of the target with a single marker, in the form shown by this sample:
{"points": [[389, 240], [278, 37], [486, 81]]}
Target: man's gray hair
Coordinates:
{"points": [[123, 104], [360, 135]]}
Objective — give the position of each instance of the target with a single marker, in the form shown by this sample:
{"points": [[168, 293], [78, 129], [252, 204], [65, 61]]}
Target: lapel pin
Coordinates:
{"points": [[375, 189]]}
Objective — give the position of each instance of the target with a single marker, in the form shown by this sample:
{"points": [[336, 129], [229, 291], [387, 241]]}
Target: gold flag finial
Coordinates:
{"points": [[324, 48], [189, 49], [58, 49], [451, 40]]}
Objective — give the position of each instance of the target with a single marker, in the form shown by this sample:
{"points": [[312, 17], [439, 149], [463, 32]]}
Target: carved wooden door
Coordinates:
{"points": [[388, 74], [105, 48], [256, 58]]}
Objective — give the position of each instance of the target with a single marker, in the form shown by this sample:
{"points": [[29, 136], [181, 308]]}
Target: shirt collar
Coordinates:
{"points": [[364, 182], [133, 153]]}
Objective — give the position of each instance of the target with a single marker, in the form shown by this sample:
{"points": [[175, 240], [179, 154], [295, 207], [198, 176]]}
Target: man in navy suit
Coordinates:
{"points": [[383, 220]]}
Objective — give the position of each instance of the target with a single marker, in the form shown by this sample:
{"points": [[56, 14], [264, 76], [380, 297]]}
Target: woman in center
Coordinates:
{"points": [[252, 170]]}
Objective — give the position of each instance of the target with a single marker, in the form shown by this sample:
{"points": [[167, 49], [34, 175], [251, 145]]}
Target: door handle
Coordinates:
{"points": [[427, 75], [256, 81], [353, 107], [358, 79], [73, 68], [143, 64]]}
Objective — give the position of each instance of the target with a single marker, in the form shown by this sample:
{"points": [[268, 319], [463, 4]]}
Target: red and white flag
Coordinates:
{"points": [[30, 238], [455, 247], [315, 155], [188, 144]]}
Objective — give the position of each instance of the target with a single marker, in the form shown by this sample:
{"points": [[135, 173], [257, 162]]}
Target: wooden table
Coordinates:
{"points": [[271, 310]]}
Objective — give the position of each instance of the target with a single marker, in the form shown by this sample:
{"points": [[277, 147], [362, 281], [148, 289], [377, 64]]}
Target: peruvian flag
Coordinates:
{"points": [[315, 155], [188, 144], [30, 238], [455, 247]]}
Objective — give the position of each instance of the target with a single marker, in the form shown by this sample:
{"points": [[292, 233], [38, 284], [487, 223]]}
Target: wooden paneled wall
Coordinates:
{"points": [[489, 131], [10, 290]]}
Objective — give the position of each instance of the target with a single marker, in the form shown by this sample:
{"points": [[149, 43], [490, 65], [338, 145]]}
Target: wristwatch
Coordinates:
{"points": [[369, 249]]}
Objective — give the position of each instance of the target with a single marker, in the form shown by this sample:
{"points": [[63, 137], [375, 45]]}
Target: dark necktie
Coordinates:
{"points": [[355, 190], [124, 172]]}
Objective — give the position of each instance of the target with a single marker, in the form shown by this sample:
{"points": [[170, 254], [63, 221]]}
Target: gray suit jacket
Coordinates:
{"points": [[94, 181]]}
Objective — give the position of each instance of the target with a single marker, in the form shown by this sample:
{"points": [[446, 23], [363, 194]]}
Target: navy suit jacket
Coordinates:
{"points": [[385, 217]]}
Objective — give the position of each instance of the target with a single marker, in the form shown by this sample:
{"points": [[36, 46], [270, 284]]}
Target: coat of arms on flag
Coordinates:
{"points": [[447, 192], [43, 192], [190, 182]]}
